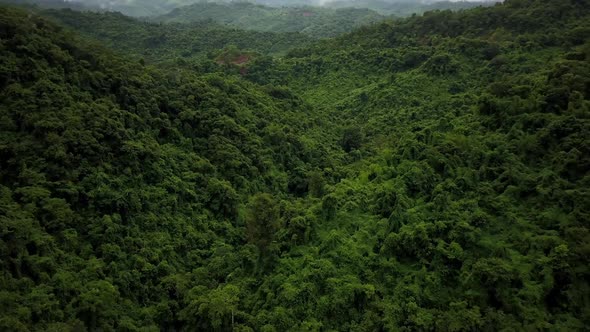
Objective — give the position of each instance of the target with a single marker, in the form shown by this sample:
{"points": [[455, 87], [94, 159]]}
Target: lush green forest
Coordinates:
{"points": [[423, 174]]}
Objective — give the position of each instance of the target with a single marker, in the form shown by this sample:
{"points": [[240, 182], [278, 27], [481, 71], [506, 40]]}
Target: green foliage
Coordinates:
{"points": [[262, 221], [217, 307], [352, 139]]}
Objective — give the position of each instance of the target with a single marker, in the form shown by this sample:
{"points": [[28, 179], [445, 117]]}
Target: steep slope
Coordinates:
{"points": [[118, 179]]}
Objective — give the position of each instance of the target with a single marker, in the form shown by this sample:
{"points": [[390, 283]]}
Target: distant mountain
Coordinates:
{"points": [[161, 42], [127, 7], [406, 8], [56, 4], [152, 8], [140, 8], [313, 21]]}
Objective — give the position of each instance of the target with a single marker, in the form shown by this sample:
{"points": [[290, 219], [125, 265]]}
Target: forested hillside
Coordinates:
{"points": [[168, 42], [118, 179], [424, 174], [313, 21]]}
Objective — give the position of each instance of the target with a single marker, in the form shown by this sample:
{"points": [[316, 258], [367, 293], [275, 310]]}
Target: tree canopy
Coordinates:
{"points": [[428, 173]]}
